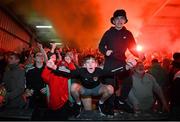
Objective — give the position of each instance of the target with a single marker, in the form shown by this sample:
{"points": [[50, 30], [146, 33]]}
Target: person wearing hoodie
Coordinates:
{"points": [[113, 45]]}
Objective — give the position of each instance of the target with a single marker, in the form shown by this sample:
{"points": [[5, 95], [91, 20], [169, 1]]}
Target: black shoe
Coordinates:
{"points": [[110, 113], [101, 108], [121, 102], [118, 104], [78, 109], [125, 107]]}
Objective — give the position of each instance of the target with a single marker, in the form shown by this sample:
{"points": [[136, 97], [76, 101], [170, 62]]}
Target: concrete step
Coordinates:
{"points": [[95, 115]]}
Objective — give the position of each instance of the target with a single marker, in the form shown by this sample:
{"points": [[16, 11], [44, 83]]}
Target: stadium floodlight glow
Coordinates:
{"points": [[43, 26], [57, 43]]}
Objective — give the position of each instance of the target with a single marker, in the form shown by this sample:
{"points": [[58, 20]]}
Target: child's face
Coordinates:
{"points": [[119, 21], [90, 64], [39, 57], [53, 57], [67, 58]]}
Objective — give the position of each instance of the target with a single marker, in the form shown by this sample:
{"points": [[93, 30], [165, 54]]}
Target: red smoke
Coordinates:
{"points": [[81, 23], [77, 22]]}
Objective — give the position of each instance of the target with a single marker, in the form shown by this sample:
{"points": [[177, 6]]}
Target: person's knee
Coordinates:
{"points": [[75, 87], [110, 89]]}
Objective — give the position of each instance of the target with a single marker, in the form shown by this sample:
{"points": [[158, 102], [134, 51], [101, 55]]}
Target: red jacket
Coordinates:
{"points": [[58, 88]]}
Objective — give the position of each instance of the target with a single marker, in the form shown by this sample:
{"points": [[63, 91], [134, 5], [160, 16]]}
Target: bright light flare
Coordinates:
{"points": [[139, 48], [43, 26]]}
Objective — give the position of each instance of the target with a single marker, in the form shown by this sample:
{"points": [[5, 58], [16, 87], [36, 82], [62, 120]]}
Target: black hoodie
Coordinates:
{"points": [[118, 41]]}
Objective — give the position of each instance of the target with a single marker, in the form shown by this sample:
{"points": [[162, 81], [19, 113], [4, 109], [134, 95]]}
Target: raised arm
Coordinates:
{"points": [[53, 47], [62, 70], [43, 52]]}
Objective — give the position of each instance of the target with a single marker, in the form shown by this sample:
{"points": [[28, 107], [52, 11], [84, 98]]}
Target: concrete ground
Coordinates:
{"points": [[95, 115]]}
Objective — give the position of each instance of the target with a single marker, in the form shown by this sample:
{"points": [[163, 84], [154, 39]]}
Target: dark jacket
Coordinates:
{"points": [[88, 80], [175, 87], [118, 41], [14, 79], [35, 81], [159, 73], [2, 68]]}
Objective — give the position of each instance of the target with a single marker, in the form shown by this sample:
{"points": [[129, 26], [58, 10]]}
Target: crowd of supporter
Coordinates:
{"points": [[27, 83]]}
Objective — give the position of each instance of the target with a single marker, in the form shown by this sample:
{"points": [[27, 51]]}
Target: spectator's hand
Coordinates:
{"points": [[2, 90], [53, 45], [130, 63], [28, 93], [64, 69], [129, 66], [67, 59], [108, 52], [142, 57], [43, 90], [50, 64], [39, 45]]}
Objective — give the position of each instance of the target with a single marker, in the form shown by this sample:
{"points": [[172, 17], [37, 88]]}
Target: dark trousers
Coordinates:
{"points": [[38, 113], [110, 64], [60, 114], [125, 89], [38, 100]]}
